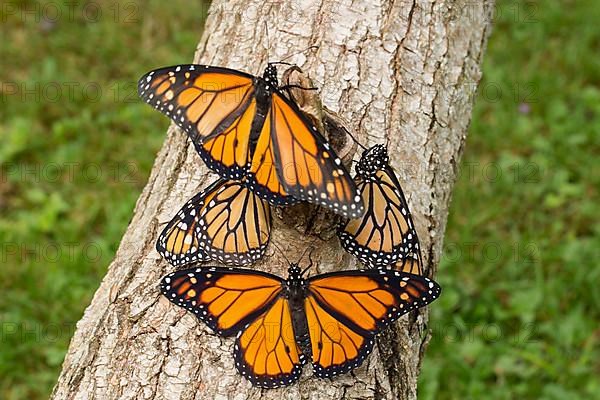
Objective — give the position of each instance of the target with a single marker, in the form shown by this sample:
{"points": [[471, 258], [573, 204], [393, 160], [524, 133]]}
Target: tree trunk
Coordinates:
{"points": [[401, 72]]}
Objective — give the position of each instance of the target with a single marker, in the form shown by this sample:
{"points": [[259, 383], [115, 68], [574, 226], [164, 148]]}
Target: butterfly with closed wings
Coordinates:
{"points": [[280, 324], [225, 222], [385, 234], [244, 127]]}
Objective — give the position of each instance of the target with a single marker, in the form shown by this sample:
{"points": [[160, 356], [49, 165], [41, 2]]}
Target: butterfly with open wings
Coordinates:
{"points": [[244, 127], [280, 324]]}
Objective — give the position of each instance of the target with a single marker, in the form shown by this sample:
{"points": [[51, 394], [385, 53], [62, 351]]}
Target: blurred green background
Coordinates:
{"points": [[520, 313]]}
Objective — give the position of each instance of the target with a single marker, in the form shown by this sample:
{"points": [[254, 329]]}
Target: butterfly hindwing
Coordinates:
{"points": [[234, 224], [264, 174], [411, 264], [336, 348], [228, 152], [345, 310], [266, 352]]}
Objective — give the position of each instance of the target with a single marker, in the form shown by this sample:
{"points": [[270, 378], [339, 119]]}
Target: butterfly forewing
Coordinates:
{"points": [[226, 299], [207, 102]]}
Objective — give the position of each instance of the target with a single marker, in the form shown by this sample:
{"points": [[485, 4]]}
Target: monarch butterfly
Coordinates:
{"points": [[279, 324], [225, 222], [244, 127], [385, 234]]}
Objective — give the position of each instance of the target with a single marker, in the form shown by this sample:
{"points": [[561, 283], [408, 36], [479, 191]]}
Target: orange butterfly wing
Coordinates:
{"points": [[385, 233], [179, 243], [345, 310], [292, 156], [263, 176], [336, 348], [214, 106], [266, 352], [234, 224], [226, 299], [236, 301], [412, 264]]}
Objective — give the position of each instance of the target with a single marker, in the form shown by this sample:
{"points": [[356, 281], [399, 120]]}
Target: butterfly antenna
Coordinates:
{"points": [[303, 253], [281, 62], [354, 139], [387, 137], [298, 52], [387, 142], [268, 41], [310, 264], [282, 253], [309, 247]]}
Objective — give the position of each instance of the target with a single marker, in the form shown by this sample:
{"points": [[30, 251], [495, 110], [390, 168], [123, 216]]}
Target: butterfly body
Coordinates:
{"points": [[264, 87], [245, 128], [374, 159], [295, 291], [330, 319]]}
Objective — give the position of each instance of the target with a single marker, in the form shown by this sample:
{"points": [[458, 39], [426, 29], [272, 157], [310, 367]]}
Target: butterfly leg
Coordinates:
{"points": [[310, 261], [288, 87]]}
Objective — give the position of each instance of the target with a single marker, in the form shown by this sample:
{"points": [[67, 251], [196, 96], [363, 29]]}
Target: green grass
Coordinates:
{"points": [[77, 148], [519, 314]]}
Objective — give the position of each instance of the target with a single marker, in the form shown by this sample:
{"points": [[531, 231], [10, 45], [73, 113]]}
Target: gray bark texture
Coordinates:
{"points": [[402, 73]]}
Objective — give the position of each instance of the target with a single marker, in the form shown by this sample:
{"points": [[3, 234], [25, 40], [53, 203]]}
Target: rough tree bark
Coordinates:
{"points": [[402, 72]]}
